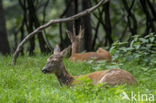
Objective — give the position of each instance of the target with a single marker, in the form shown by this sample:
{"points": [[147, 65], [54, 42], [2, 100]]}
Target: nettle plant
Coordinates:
{"points": [[139, 49]]}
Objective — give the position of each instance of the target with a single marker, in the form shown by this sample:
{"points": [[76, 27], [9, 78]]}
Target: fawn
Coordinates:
{"points": [[76, 41], [56, 65]]}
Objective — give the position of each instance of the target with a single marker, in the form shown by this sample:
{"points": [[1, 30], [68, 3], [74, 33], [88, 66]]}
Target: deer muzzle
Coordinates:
{"points": [[44, 70]]}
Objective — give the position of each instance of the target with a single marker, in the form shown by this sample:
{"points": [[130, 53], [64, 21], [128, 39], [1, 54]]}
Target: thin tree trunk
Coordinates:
{"points": [[30, 26], [86, 21], [108, 27], [78, 21], [4, 44]]}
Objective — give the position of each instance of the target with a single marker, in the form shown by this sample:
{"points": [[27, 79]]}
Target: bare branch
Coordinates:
{"points": [[68, 19]]}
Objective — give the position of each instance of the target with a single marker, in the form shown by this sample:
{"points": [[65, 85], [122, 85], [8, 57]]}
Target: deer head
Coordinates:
{"points": [[55, 61], [76, 40]]}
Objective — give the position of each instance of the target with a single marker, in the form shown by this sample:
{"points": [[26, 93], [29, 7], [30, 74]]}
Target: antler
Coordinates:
{"points": [[81, 32]]}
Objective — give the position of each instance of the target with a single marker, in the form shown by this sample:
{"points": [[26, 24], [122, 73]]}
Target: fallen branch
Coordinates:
{"points": [[68, 19]]}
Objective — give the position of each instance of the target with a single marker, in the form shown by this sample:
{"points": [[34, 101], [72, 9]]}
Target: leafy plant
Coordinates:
{"points": [[140, 50]]}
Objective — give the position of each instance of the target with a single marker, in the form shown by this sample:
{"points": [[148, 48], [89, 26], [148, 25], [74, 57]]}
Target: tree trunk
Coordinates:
{"points": [[4, 44], [108, 27], [86, 21], [30, 26]]}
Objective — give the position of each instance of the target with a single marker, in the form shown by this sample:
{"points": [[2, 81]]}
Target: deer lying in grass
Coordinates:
{"points": [[56, 65], [76, 41]]}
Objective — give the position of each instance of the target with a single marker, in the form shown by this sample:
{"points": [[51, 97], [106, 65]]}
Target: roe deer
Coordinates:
{"points": [[76, 41], [56, 65]]}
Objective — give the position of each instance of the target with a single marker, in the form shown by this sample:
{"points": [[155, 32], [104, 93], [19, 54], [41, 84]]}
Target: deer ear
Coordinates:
{"points": [[57, 49], [81, 33], [70, 35], [65, 51]]}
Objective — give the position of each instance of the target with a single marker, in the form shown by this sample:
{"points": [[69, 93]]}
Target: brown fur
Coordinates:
{"points": [[90, 55], [111, 76]]}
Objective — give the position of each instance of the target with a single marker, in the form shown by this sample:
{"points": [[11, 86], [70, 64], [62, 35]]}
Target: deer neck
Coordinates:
{"points": [[64, 77], [75, 48]]}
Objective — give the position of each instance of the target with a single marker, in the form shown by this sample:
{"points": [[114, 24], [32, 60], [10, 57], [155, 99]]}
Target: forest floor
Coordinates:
{"points": [[25, 83]]}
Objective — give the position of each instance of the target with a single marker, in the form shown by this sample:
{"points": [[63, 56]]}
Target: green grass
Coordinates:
{"points": [[25, 83]]}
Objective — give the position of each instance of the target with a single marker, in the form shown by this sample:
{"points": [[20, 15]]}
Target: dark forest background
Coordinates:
{"points": [[117, 20]]}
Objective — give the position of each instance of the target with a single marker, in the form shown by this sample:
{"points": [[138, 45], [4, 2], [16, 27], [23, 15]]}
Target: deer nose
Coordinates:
{"points": [[44, 70]]}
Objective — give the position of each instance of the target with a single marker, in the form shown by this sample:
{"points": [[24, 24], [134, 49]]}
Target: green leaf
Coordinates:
{"points": [[143, 40], [152, 39]]}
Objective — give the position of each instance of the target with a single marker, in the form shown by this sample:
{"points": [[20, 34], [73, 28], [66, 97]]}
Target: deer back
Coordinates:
{"points": [[112, 76]]}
